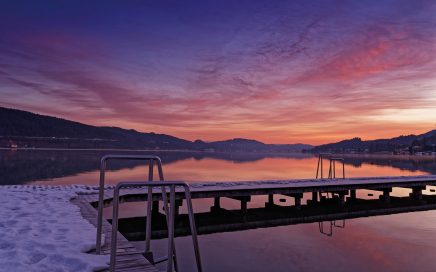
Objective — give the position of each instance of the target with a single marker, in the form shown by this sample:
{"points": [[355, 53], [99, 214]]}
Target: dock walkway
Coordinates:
{"points": [[286, 187], [128, 257]]}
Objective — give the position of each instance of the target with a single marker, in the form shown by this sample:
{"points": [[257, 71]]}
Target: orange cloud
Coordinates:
{"points": [[312, 79]]}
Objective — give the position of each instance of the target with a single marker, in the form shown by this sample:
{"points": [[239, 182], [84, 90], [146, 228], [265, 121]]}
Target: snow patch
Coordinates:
{"points": [[41, 230]]}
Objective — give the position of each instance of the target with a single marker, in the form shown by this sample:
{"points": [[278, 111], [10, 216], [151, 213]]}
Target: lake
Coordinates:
{"points": [[82, 167], [370, 243]]}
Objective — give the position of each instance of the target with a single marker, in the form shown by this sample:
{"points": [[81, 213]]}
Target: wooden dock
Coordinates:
{"points": [[241, 189], [219, 220], [128, 257]]}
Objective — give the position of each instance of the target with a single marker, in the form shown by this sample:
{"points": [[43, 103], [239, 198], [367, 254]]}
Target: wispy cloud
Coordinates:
{"points": [[285, 72]]}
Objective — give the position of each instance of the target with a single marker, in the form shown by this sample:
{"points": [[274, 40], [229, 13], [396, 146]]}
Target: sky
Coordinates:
{"points": [[275, 71]]}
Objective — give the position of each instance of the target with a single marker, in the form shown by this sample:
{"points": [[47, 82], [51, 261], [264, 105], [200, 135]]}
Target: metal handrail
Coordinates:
{"points": [[104, 160], [332, 168], [321, 157], [170, 215]]}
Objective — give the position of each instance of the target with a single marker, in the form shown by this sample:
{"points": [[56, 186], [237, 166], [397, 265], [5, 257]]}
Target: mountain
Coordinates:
{"points": [[25, 129], [239, 144], [428, 135], [34, 130], [409, 143]]}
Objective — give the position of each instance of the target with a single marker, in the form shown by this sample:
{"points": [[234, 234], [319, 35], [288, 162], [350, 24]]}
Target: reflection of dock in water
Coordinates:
{"points": [[343, 203]]}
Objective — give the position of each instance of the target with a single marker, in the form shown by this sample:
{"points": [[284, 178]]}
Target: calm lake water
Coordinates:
{"points": [[401, 242], [82, 167]]}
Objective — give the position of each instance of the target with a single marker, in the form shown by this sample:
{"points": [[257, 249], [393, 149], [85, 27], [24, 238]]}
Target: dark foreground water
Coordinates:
{"points": [[403, 242], [400, 242]]}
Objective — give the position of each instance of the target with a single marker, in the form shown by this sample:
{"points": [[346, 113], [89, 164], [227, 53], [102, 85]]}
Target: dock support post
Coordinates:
{"points": [[353, 194], [216, 202], [244, 202], [315, 196], [178, 203], [298, 203], [270, 202], [417, 192], [155, 207], [271, 199], [341, 198], [386, 195], [297, 197]]}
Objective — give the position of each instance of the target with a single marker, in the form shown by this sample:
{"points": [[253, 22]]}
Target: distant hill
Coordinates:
{"points": [[239, 144], [47, 131], [25, 129], [409, 143]]}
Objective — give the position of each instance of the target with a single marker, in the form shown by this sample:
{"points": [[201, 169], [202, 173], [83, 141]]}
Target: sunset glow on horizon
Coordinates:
{"points": [[276, 71]]}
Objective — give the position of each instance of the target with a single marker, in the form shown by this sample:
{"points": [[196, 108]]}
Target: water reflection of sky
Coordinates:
{"points": [[403, 242], [193, 170], [81, 167]]}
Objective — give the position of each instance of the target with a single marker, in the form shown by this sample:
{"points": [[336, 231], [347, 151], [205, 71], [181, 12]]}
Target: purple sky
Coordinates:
{"points": [[276, 71]]}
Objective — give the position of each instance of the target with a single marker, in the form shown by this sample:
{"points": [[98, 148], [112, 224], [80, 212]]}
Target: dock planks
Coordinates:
{"points": [[128, 257], [285, 187]]}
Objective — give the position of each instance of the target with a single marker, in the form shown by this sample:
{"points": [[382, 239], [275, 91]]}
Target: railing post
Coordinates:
{"points": [[343, 169], [193, 227], [330, 169], [114, 229], [317, 167], [170, 215], [103, 165], [171, 244], [149, 206], [100, 205], [321, 165], [168, 218]]}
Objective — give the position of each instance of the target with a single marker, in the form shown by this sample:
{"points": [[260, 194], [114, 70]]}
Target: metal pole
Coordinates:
{"points": [[104, 160], [114, 229], [100, 205], [321, 165], [159, 169], [317, 167], [149, 212], [171, 244], [167, 217], [334, 169], [165, 201], [343, 169], [170, 215], [193, 227]]}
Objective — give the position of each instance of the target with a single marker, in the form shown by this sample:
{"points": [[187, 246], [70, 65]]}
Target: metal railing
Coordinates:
{"points": [[321, 157], [332, 165], [332, 168], [151, 160], [170, 214]]}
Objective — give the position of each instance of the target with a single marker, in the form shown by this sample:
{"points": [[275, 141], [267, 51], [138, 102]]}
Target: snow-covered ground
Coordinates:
{"points": [[41, 230]]}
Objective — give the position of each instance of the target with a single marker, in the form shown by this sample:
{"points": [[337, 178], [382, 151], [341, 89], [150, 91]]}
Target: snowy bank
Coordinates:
{"points": [[41, 230]]}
